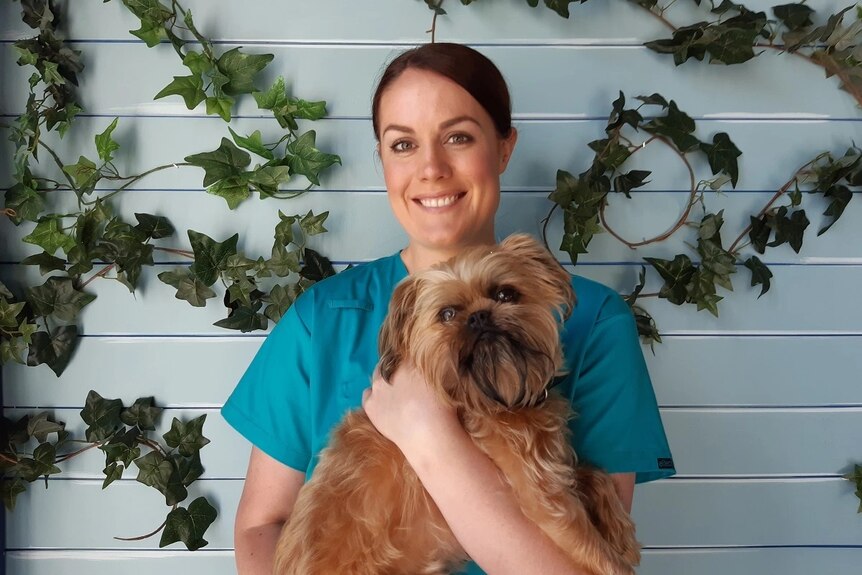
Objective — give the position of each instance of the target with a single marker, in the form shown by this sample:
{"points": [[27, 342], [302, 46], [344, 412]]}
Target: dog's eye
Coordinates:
{"points": [[506, 294], [447, 314]]}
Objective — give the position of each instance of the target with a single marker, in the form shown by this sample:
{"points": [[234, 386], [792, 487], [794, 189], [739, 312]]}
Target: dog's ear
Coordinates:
{"points": [[395, 333], [549, 270]]}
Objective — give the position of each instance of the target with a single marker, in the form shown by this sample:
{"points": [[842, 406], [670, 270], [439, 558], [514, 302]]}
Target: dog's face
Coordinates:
{"points": [[483, 328]]}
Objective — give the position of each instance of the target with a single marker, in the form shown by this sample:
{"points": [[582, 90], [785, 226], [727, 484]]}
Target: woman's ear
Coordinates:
{"points": [[395, 333], [507, 147]]}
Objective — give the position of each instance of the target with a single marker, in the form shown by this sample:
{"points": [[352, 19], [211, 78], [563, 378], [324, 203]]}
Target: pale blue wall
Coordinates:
{"points": [[763, 406]]}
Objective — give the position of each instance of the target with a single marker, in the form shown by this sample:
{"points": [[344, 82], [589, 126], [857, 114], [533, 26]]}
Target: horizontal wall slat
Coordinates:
{"points": [[793, 561], [668, 513], [154, 311], [704, 442], [686, 371], [353, 215], [543, 148], [389, 20], [585, 80]]}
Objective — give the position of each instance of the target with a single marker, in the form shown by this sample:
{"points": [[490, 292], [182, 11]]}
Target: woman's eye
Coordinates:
{"points": [[447, 314], [460, 138], [506, 295], [401, 146]]}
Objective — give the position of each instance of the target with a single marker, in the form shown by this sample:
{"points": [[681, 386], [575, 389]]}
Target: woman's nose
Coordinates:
{"points": [[435, 164]]}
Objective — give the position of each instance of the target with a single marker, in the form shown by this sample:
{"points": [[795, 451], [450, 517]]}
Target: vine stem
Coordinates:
{"points": [[68, 456], [9, 212], [7, 459], [59, 163], [772, 201], [99, 274], [148, 535], [133, 179], [683, 218], [185, 253], [433, 29]]}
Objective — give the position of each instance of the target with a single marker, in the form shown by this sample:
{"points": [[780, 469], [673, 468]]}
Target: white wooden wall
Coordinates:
{"points": [[763, 407]]}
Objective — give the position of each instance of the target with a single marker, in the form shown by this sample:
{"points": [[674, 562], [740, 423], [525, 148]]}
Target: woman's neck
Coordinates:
{"points": [[419, 258]]}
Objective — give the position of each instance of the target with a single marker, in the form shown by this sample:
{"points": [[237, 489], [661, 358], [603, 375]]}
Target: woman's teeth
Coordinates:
{"points": [[438, 202]]}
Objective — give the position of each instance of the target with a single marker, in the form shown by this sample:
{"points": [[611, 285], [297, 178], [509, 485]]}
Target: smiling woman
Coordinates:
{"points": [[444, 139]]}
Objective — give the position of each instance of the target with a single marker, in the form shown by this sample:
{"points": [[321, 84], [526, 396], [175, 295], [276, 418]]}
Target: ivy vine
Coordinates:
{"points": [[38, 323]]}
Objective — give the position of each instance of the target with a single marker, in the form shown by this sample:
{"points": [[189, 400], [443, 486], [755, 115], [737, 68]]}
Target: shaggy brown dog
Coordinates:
{"points": [[483, 329]]}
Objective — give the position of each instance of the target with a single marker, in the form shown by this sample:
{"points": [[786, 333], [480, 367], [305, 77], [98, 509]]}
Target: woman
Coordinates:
{"points": [[442, 118]]}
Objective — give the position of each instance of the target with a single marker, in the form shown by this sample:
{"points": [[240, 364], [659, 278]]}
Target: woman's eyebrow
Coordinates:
{"points": [[443, 125]]}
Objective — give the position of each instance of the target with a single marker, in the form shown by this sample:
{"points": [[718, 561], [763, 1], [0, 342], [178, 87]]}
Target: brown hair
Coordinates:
{"points": [[464, 66]]}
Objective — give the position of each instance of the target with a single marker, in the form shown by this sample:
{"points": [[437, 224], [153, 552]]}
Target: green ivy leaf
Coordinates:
{"points": [[142, 414], [189, 287], [244, 318], [654, 99], [155, 227], [676, 125], [253, 143], [25, 201], [9, 313], [123, 447], [624, 183], [190, 88], [11, 488], [189, 468], [102, 416], [199, 64], [105, 144], [40, 465], [189, 525], [280, 298], [112, 472], [220, 106], [313, 224], [760, 274], [58, 296], [49, 236], [307, 160], [794, 16], [722, 155], [210, 256], [268, 179], [154, 470], [789, 229], [759, 233], [676, 273], [283, 262], [187, 436], [153, 16], [317, 267], [241, 69], [40, 426], [840, 196], [222, 163], [284, 228], [85, 174]]}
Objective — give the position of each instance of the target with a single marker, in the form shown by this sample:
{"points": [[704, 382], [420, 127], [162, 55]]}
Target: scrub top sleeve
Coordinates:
{"points": [[270, 404], [617, 425]]}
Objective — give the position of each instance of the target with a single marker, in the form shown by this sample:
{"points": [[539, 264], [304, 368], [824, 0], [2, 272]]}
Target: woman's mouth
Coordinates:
{"points": [[441, 201]]}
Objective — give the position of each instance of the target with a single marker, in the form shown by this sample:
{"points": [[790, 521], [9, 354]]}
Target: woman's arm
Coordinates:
{"points": [[475, 500], [268, 497]]}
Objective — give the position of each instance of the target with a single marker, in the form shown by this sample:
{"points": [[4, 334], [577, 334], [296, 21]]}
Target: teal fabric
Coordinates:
{"points": [[316, 362]]}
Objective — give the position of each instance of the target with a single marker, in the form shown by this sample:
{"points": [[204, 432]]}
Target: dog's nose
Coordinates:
{"points": [[479, 320]]}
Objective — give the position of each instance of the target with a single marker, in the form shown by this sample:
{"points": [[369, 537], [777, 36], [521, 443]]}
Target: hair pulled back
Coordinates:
{"points": [[464, 66]]}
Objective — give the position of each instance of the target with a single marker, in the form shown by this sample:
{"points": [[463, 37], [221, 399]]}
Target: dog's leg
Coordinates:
{"points": [[599, 496], [364, 512]]}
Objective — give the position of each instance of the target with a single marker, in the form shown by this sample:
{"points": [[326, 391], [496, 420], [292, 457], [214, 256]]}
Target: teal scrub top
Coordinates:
{"points": [[316, 362]]}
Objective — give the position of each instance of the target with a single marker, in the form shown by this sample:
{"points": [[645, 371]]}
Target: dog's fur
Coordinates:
{"points": [[365, 512]]}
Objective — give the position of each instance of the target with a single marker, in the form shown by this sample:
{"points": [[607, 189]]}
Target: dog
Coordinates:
{"points": [[483, 328]]}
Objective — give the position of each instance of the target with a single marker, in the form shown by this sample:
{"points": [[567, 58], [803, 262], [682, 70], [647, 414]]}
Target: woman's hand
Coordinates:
{"points": [[408, 412]]}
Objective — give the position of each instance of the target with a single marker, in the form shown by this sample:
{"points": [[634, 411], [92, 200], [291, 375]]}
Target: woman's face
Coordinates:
{"points": [[442, 160]]}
